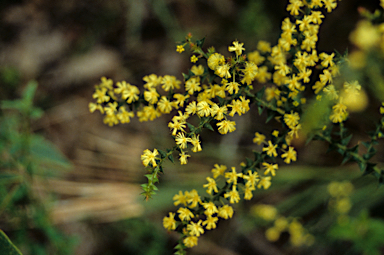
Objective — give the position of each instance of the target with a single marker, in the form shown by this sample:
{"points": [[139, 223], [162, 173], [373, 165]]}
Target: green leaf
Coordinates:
{"points": [[249, 162], [200, 42], [208, 126], [45, 153], [6, 246], [346, 159], [186, 76], [270, 116], [369, 169], [163, 154], [170, 157], [191, 127], [10, 178], [346, 140], [29, 92], [260, 109], [362, 166], [260, 93]]}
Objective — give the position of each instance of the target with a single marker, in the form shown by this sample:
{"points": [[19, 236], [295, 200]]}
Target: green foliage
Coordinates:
{"points": [[364, 232], [25, 157], [6, 246]]}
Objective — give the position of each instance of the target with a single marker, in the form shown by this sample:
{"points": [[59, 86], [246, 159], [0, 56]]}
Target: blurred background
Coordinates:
{"points": [[76, 190]]}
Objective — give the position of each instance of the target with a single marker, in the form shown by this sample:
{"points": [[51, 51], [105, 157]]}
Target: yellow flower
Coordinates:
{"points": [[170, 82], [248, 192], [190, 241], [181, 140], [264, 46], [191, 108], [233, 195], [210, 208], [330, 5], [291, 119], [169, 222], [255, 57], [152, 81], [264, 182], [180, 198], [237, 48], [237, 107], [289, 155], [195, 229], [151, 96], [131, 93], [210, 222], [149, 157], [211, 185], [194, 198], [294, 7], [223, 71], [259, 138], [266, 212], [124, 116], [252, 178], [203, 109], [232, 87], [218, 170], [179, 48], [164, 105], [232, 176], [215, 60], [327, 59], [100, 95], [197, 70], [111, 119], [226, 126], [272, 234], [196, 143], [225, 212], [192, 85], [183, 158], [270, 168], [111, 108], [271, 149], [194, 59], [185, 214]]}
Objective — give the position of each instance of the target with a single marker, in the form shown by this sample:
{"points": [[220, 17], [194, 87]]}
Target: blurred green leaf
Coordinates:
{"points": [[46, 153], [6, 246]]}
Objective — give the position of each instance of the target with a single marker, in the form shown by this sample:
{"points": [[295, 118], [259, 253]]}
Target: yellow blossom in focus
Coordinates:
{"points": [[215, 60], [179, 48], [210, 222], [226, 126], [271, 149], [169, 222], [195, 229], [225, 212], [183, 158], [149, 157], [211, 185], [233, 195], [194, 59], [237, 48]]}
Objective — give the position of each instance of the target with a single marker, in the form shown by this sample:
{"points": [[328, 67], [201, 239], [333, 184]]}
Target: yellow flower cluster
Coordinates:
{"points": [[222, 89], [298, 235], [192, 223], [340, 202]]}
